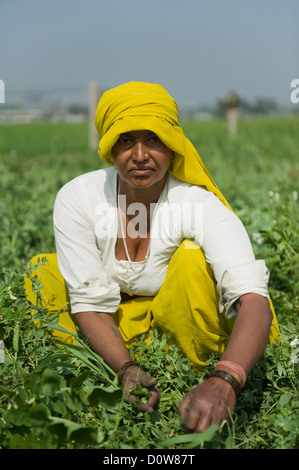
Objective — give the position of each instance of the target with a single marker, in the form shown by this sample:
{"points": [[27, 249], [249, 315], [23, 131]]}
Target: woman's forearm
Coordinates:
{"points": [[104, 337], [251, 331]]}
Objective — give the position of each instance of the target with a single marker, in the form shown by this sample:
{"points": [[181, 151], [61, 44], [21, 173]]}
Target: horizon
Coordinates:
{"points": [[199, 51]]}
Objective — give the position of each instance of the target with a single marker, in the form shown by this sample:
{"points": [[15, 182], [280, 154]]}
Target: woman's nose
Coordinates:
{"points": [[140, 152]]}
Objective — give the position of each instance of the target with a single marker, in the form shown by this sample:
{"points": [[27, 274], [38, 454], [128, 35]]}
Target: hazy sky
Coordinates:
{"points": [[197, 49]]}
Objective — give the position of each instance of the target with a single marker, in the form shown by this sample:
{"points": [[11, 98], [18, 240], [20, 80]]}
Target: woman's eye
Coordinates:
{"points": [[124, 140], [154, 138]]}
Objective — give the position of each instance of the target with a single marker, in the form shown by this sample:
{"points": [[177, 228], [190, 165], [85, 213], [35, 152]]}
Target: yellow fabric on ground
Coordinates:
{"points": [[186, 306], [53, 294]]}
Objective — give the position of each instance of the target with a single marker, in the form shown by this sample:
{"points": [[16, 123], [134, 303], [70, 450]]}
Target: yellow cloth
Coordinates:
{"points": [[53, 294], [145, 106], [186, 306]]}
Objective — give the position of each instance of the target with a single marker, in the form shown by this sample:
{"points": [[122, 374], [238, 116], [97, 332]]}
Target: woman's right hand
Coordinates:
{"points": [[130, 380], [106, 340]]}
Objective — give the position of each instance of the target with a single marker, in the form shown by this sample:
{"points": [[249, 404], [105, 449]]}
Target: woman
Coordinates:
{"points": [[151, 242]]}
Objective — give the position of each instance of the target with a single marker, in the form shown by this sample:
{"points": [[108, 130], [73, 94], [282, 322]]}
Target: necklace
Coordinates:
{"points": [[133, 264], [123, 236]]}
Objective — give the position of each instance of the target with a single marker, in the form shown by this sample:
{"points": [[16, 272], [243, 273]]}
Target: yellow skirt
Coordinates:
{"points": [[186, 306]]}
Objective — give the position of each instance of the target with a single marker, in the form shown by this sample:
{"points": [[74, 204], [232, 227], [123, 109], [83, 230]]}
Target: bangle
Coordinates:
{"points": [[229, 379], [236, 368], [123, 369]]}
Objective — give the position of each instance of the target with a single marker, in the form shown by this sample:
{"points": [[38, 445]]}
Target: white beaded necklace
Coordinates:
{"points": [[133, 264]]}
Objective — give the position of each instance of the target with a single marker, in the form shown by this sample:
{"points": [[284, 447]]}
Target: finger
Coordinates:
{"points": [[147, 381], [190, 412], [138, 405], [154, 398], [203, 422], [139, 377], [184, 408], [145, 408], [191, 420], [207, 417], [129, 386], [185, 404], [151, 404]]}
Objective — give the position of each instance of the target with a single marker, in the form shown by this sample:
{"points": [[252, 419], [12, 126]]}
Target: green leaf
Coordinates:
{"points": [[280, 369], [68, 430], [23, 395], [140, 391], [35, 383], [192, 440], [26, 415], [51, 382], [284, 399], [89, 358], [94, 396], [86, 435], [30, 441], [77, 382], [17, 416], [38, 415], [73, 402], [7, 391]]}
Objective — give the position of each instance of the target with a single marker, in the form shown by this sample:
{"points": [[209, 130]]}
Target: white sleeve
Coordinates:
{"points": [[243, 279], [229, 252], [79, 258]]}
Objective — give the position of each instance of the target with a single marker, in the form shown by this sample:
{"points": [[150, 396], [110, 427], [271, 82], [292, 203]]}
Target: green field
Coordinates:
{"points": [[65, 398]]}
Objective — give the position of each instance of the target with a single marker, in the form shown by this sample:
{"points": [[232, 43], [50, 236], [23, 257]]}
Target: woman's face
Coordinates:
{"points": [[141, 159]]}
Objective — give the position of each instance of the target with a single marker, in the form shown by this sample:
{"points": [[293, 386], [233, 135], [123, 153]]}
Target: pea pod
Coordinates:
{"points": [[16, 337]]}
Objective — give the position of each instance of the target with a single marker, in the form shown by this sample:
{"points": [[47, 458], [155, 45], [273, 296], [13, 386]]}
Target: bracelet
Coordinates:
{"points": [[229, 379], [236, 368], [123, 369]]}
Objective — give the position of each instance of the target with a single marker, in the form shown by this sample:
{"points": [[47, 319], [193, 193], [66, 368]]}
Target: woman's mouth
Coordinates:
{"points": [[141, 171]]}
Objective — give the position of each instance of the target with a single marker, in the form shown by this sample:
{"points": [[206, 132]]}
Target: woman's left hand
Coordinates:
{"points": [[135, 377], [209, 403]]}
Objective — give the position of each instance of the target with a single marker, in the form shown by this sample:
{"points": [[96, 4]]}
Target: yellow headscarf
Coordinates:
{"points": [[145, 106]]}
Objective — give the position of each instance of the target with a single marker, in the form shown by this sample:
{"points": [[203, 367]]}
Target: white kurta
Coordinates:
{"points": [[86, 228]]}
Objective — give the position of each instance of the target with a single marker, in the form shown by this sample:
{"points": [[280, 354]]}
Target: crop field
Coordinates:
{"points": [[64, 397]]}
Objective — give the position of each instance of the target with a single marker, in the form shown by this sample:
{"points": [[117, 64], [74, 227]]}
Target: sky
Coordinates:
{"points": [[198, 50]]}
